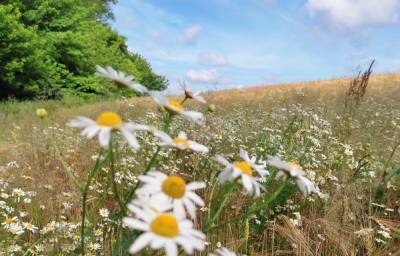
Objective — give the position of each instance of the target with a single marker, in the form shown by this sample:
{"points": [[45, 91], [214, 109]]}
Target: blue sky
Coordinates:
{"points": [[235, 43]]}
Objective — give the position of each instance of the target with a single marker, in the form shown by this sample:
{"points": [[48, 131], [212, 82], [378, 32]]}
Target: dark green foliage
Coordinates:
{"points": [[49, 48]]}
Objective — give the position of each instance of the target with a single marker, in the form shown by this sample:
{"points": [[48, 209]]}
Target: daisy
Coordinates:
{"points": [[295, 171], [193, 95], [177, 108], [245, 169], [30, 227], [181, 142], [172, 189], [163, 230], [223, 252], [105, 123], [120, 79]]}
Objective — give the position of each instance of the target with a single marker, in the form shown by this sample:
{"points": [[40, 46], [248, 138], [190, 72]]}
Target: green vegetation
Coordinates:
{"points": [[49, 49]]}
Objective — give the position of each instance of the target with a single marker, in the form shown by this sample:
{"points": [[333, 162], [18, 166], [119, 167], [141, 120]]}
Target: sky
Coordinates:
{"points": [[218, 44]]}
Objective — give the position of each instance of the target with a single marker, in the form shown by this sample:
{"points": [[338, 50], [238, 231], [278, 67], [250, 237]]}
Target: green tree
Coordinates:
{"points": [[49, 48]]}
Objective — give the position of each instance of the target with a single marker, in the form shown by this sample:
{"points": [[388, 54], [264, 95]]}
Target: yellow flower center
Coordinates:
{"points": [[165, 225], [245, 167], [175, 105], [174, 186], [181, 142], [294, 165], [110, 119], [9, 221]]}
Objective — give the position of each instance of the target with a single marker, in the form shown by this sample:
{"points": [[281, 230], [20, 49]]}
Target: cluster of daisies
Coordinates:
{"points": [[164, 210]]}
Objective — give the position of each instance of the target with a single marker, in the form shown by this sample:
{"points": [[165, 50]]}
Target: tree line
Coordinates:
{"points": [[49, 49]]}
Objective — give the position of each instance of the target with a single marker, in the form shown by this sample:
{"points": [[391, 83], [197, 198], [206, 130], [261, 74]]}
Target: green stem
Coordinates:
{"points": [[114, 184], [263, 206], [84, 198], [132, 192], [152, 161], [221, 206]]}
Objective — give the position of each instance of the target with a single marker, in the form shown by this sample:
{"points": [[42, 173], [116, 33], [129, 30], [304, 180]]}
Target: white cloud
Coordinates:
{"points": [[191, 34], [213, 59], [350, 14], [208, 76]]}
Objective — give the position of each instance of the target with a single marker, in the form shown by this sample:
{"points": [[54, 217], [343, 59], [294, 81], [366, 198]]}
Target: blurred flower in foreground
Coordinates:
{"points": [[41, 113], [223, 252], [295, 171], [245, 169], [193, 95], [163, 230], [172, 190], [120, 79], [177, 108], [105, 123], [180, 142]]}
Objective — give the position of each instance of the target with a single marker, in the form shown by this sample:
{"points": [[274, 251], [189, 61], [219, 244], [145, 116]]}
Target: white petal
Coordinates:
{"points": [[171, 249], [138, 87], [81, 122], [90, 131], [105, 136], [225, 175], [130, 138], [179, 210], [244, 155], [222, 160], [247, 183], [195, 198], [141, 242], [185, 243], [198, 147], [191, 208], [193, 116], [135, 224], [196, 185]]}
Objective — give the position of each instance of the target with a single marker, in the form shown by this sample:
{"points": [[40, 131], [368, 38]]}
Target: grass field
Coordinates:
{"points": [[352, 155]]}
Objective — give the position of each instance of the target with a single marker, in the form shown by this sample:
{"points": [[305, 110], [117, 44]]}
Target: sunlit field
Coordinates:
{"points": [[279, 170]]}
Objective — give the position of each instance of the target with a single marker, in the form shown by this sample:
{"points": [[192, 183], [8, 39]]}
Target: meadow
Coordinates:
{"points": [[350, 155]]}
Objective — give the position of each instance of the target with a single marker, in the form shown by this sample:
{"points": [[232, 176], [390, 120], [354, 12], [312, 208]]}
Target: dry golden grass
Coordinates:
{"points": [[43, 149]]}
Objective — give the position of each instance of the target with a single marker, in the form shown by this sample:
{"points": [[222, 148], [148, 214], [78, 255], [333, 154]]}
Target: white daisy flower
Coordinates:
{"points": [[245, 169], [223, 252], [181, 142], [163, 230], [193, 95], [30, 227], [177, 108], [105, 123], [172, 189], [295, 171], [120, 79]]}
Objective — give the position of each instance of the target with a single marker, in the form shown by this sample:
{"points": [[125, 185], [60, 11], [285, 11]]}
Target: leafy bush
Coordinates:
{"points": [[50, 47]]}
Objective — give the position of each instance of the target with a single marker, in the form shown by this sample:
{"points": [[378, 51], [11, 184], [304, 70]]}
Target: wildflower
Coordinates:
{"points": [[223, 252], [30, 227], [16, 229], [104, 212], [295, 171], [9, 221], [163, 230], [120, 79], [245, 169], [193, 95], [94, 246], [105, 123], [41, 113], [173, 190], [177, 108], [180, 142]]}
